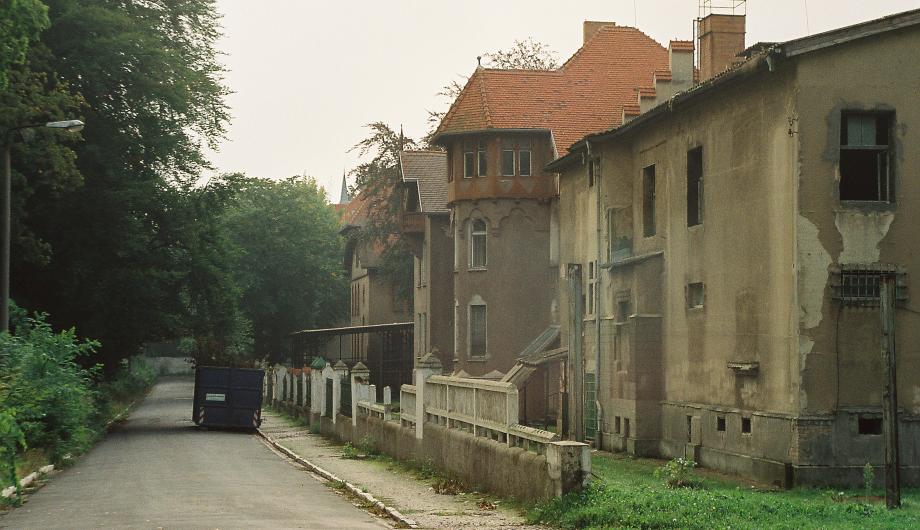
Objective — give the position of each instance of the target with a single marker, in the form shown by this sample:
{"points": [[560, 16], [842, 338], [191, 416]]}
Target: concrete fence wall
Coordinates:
{"points": [[466, 427]]}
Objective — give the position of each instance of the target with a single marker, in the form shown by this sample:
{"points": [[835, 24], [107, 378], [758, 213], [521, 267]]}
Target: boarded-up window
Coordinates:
{"points": [[865, 173], [524, 162], [648, 201], [695, 186], [478, 244], [478, 330], [507, 162]]}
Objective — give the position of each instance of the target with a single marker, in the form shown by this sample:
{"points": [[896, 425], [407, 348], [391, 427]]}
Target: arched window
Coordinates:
{"points": [[478, 244]]}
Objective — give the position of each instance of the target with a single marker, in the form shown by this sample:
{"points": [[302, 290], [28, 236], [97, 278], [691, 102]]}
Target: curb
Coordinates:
{"points": [[392, 512], [27, 481]]}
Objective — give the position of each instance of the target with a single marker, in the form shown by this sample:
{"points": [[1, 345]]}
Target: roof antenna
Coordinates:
{"points": [[479, 60]]}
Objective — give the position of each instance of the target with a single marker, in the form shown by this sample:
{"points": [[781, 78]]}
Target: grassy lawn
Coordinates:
{"points": [[628, 495]]}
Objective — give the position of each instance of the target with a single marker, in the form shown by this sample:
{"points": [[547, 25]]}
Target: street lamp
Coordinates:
{"points": [[70, 126]]}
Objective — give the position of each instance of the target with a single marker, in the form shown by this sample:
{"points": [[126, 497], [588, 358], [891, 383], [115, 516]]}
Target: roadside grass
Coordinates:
{"points": [[626, 494]]}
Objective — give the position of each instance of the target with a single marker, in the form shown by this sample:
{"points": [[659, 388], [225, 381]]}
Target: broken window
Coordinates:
{"points": [[864, 157], [695, 295], [477, 330], [524, 162], [483, 167], [478, 244], [507, 162], [648, 201], [745, 425], [695, 186], [870, 425]]}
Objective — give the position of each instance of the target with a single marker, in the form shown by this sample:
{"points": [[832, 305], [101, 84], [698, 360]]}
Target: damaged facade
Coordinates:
{"points": [[714, 245]]}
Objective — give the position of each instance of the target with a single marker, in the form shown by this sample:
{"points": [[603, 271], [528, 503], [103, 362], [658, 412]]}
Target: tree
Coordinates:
{"points": [[287, 258], [378, 178], [523, 55], [20, 23], [154, 96]]}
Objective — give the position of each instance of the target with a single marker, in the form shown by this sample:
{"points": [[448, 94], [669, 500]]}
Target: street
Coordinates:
{"points": [[158, 471]]}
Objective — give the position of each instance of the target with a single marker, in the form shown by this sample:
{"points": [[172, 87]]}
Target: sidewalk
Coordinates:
{"points": [[390, 484]]}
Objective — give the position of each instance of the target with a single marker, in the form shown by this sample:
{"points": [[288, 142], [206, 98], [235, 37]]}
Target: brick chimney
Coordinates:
{"points": [[721, 39], [593, 26]]}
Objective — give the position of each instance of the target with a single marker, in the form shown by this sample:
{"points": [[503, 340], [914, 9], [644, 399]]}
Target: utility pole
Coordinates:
{"points": [[888, 294]]}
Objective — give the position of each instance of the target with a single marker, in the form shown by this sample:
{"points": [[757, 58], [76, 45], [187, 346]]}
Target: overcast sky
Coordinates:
{"points": [[308, 75]]}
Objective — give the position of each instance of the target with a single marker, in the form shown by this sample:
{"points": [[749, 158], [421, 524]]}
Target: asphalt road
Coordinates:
{"points": [[158, 471]]}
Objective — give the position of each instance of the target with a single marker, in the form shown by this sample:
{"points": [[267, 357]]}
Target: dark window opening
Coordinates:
{"points": [[507, 162], [696, 295], [648, 201], [720, 423], [865, 173], [689, 429], [616, 425], [594, 171], [745, 425], [626, 427], [870, 425], [524, 163], [623, 310], [695, 186], [450, 165]]}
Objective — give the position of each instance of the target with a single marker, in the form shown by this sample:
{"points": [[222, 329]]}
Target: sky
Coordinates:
{"points": [[307, 76]]}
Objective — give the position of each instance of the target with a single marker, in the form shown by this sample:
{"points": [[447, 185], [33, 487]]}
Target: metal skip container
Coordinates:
{"points": [[228, 397]]}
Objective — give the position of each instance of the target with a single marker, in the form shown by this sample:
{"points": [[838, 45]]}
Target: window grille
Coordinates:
{"points": [[860, 284]]}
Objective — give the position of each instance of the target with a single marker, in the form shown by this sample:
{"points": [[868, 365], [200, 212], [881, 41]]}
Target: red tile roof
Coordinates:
{"points": [[587, 94]]}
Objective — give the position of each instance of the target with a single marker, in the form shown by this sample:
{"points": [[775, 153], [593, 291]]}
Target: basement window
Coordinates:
{"points": [[648, 201], [720, 423], [871, 425], [695, 186], [696, 295], [745, 425], [865, 173]]}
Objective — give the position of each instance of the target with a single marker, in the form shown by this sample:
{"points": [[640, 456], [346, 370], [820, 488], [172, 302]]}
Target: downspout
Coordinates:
{"points": [[598, 311]]}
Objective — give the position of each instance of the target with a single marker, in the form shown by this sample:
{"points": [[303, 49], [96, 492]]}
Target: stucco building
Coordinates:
{"points": [[730, 242]]}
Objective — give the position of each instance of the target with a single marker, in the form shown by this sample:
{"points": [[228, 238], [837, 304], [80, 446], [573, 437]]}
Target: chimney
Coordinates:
{"points": [[721, 39], [591, 27]]}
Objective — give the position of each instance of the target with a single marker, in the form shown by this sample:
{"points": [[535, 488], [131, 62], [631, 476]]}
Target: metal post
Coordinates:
{"points": [[887, 296], [5, 236]]}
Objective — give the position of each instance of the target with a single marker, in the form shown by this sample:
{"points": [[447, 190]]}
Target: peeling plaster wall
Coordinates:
{"points": [[839, 346]]}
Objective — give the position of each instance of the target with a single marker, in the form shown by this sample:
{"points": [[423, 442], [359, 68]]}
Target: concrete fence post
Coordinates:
{"points": [[360, 375], [316, 391], [569, 466], [341, 371], [427, 366]]}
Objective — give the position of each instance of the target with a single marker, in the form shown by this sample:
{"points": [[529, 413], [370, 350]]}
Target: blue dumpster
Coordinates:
{"points": [[228, 397]]}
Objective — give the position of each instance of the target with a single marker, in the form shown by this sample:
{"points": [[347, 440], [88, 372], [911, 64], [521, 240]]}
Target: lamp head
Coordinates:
{"points": [[71, 126]]}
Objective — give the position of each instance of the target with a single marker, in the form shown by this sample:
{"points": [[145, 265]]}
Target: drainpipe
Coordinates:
{"points": [[598, 310]]}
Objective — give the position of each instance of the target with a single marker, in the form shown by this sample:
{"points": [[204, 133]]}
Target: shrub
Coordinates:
{"points": [[350, 452], [678, 473], [368, 445], [868, 478], [45, 388]]}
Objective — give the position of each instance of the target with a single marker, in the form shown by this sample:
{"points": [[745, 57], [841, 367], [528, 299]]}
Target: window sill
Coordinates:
{"points": [[477, 269], [477, 359], [869, 205]]}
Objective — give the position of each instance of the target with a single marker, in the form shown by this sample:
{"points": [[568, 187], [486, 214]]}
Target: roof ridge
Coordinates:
{"points": [[456, 103], [485, 101], [605, 29]]}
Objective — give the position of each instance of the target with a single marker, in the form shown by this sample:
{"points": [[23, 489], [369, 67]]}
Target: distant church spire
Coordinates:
{"points": [[344, 196]]}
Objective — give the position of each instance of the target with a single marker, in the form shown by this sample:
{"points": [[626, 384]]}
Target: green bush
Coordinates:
{"points": [[44, 387], [678, 473]]}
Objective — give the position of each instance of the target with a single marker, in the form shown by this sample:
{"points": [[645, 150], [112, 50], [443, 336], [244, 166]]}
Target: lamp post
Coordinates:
{"points": [[70, 126]]}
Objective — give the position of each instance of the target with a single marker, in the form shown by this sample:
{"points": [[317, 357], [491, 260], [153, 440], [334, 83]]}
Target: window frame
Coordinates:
{"points": [[884, 152], [482, 160], [505, 151], [477, 303], [469, 160], [649, 221], [529, 163], [474, 235]]}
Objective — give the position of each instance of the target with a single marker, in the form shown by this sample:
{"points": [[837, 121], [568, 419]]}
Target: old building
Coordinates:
{"points": [[502, 130], [425, 221], [731, 241]]}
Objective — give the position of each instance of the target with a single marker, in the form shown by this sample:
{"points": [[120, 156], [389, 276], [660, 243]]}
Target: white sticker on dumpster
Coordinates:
{"points": [[215, 397]]}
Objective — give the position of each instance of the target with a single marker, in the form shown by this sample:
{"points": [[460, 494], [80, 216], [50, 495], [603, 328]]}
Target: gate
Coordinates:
{"points": [[345, 402], [590, 406], [328, 411]]}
